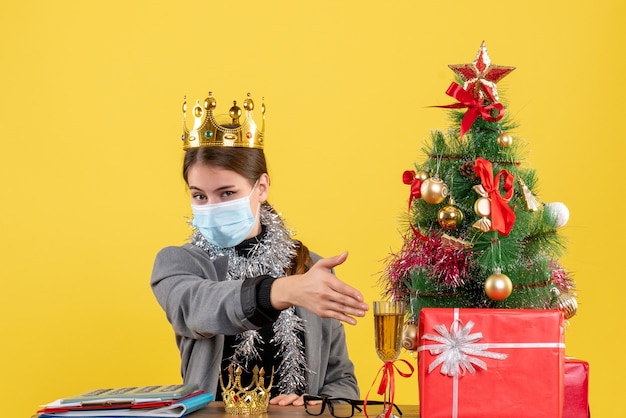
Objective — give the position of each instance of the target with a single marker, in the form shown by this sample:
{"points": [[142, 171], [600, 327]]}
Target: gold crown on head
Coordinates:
{"points": [[252, 399], [207, 131]]}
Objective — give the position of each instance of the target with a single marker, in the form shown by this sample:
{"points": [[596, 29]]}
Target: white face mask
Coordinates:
{"points": [[225, 224]]}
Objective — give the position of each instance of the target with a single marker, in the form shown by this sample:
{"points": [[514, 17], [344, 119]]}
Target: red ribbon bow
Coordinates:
{"points": [[408, 177], [475, 108], [387, 380], [502, 216]]}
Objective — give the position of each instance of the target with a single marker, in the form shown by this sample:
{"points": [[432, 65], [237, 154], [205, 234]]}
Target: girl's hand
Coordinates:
{"points": [[320, 292], [290, 399]]}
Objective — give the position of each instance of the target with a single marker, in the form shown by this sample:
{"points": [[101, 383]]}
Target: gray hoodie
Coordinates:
{"points": [[202, 306]]}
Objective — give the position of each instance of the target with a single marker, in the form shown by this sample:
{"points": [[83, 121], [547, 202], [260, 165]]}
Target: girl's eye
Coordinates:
{"points": [[199, 197], [228, 193]]}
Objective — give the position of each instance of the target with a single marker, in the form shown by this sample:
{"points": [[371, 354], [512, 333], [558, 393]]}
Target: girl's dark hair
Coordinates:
{"points": [[249, 163]]}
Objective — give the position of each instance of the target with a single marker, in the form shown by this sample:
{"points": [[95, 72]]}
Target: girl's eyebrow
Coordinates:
{"points": [[219, 189]]}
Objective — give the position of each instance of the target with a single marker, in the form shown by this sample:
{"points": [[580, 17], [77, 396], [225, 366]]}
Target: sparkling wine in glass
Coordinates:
{"points": [[388, 324]]}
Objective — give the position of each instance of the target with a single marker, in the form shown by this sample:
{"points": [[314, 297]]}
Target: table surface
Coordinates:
{"points": [[216, 409]]}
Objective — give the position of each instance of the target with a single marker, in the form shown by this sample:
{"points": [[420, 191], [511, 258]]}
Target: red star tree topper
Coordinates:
{"points": [[480, 76]]}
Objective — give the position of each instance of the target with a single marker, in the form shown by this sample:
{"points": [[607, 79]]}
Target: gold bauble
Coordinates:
{"points": [[498, 286], [409, 335], [567, 304], [434, 190], [505, 140], [450, 217], [422, 175]]}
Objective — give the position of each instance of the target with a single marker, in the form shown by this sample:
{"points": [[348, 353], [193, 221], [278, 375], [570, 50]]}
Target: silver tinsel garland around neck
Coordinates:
{"points": [[272, 255]]}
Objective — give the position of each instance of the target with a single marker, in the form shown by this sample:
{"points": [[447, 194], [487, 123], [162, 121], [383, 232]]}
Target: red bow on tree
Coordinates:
{"points": [[475, 108], [408, 177], [502, 216]]}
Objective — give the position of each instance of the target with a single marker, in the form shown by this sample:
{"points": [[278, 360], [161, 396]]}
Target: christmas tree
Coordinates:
{"points": [[478, 236]]}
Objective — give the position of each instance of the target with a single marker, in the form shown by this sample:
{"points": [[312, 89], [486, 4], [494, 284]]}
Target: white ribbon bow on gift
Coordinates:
{"points": [[458, 351]]}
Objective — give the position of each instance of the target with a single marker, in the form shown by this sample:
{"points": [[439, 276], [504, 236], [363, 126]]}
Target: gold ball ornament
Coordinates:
{"points": [[567, 304], [434, 190], [409, 335], [450, 217], [505, 140], [422, 175], [498, 286]]}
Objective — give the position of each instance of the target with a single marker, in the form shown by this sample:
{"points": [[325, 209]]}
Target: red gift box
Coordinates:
{"points": [[576, 393], [490, 363]]}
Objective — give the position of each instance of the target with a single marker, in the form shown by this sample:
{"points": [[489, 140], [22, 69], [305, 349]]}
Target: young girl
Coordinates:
{"points": [[243, 292]]}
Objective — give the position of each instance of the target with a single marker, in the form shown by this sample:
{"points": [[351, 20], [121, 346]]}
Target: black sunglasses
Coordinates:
{"points": [[338, 407]]}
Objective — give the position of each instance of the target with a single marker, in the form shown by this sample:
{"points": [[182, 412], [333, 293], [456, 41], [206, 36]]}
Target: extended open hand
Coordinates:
{"points": [[321, 292]]}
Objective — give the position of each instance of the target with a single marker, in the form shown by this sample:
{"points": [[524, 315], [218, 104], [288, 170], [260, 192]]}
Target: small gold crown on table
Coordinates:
{"points": [[252, 399]]}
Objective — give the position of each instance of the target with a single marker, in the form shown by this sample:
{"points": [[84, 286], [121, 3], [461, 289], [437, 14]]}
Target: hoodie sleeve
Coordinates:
{"points": [[198, 300]]}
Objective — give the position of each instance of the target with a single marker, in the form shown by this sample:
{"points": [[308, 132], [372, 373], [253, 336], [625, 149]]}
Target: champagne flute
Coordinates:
{"points": [[388, 324]]}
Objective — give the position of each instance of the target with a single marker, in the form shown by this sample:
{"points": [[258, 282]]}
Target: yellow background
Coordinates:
{"points": [[90, 185]]}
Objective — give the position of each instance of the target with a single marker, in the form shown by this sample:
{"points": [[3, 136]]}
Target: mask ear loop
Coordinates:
{"points": [[256, 183], [258, 208]]}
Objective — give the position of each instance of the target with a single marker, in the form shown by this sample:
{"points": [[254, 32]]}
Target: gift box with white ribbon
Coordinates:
{"points": [[490, 363]]}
